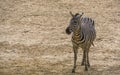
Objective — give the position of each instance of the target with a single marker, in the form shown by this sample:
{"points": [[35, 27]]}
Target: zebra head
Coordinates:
{"points": [[74, 23]]}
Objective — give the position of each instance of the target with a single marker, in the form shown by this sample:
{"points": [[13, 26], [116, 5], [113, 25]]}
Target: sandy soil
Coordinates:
{"points": [[33, 39]]}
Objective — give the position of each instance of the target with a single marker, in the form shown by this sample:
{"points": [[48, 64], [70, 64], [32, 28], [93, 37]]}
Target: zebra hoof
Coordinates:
{"points": [[82, 64], [88, 65], [86, 68], [73, 71]]}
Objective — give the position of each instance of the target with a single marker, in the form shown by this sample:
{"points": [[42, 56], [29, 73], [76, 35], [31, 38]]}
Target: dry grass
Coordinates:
{"points": [[33, 39]]}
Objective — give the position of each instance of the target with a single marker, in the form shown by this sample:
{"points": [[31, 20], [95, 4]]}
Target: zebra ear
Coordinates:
{"points": [[81, 14], [71, 14]]}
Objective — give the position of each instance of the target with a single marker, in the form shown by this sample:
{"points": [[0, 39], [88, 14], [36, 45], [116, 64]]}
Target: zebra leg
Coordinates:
{"points": [[83, 59], [75, 49], [88, 63]]}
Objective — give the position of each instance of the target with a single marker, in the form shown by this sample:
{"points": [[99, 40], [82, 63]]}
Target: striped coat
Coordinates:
{"points": [[84, 34], [87, 33]]}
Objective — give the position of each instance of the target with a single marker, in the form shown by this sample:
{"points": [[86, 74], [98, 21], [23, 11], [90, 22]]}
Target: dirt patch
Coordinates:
{"points": [[33, 39]]}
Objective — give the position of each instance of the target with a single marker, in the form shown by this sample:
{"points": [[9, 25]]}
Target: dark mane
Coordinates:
{"points": [[76, 14]]}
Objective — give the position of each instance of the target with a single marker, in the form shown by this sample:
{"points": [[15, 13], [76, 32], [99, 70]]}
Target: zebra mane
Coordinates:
{"points": [[77, 14]]}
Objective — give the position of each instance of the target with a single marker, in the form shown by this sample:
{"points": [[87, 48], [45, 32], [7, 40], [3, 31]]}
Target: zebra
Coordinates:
{"points": [[83, 34]]}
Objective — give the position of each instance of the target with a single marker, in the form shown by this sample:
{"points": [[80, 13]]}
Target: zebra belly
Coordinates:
{"points": [[81, 45]]}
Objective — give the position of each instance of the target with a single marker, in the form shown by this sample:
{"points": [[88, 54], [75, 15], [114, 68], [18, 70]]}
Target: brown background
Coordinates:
{"points": [[33, 39]]}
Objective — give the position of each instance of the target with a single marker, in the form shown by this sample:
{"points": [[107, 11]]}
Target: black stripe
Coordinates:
{"points": [[93, 23], [88, 20], [82, 38]]}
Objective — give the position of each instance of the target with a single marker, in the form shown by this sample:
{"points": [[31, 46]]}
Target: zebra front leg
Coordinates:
{"points": [[75, 49], [83, 59]]}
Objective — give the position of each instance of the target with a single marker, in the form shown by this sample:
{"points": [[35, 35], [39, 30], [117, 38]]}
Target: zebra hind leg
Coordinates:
{"points": [[86, 64]]}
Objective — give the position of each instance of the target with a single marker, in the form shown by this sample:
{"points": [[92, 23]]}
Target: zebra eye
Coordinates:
{"points": [[75, 22]]}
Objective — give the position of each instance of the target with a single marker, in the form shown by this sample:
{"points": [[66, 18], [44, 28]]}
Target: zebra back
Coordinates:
{"points": [[88, 29]]}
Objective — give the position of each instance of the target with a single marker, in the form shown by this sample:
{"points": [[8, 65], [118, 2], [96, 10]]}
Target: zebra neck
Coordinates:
{"points": [[76, 32], [78, 37]]}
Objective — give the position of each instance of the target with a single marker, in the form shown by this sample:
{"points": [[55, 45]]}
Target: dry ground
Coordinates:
{"points": [[33, 39]]}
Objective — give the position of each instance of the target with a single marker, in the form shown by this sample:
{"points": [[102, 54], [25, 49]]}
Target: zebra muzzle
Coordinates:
{"points": [[68, 30]]}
